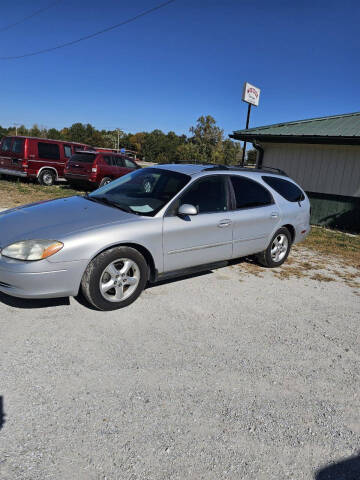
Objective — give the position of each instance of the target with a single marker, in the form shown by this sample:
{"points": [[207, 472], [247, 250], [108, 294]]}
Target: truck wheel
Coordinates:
{"points": [[115, 278], [47, 177]]}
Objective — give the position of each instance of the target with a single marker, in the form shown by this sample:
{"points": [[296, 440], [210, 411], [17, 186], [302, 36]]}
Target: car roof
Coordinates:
{"points": [[102, 152], [45, 139], [197, 168]]}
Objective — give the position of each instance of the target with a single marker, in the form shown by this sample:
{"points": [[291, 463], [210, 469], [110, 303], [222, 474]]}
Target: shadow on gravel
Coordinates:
{"points": [[29, 304], [348, 469], [2, 414]]}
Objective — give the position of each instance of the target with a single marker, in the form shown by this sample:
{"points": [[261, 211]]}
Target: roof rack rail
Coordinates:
{"points": [[275, 170], [278, 171]]}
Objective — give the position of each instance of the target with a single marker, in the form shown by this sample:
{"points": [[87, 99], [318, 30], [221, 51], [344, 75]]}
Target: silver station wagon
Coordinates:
{"points": [[152, 223]]}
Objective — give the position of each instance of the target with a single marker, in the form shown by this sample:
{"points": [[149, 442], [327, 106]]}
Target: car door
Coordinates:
{"points": [[6, 158], [202, 238], [106, 167], [255, 216], [120, 169]]}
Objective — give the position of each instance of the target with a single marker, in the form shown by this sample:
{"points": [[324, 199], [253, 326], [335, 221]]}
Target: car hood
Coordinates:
{"points": [[56, 219]]}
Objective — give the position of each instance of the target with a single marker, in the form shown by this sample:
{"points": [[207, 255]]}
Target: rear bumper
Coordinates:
{"points": [[40, 279], [15, 173], [301, 232], [79, 178]]}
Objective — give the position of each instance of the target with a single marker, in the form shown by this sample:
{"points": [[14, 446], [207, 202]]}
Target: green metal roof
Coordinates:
{"points": [[340, 126]]}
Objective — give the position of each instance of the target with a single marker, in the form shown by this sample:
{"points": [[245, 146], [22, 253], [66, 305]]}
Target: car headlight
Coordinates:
{"points": [[32, 249]]}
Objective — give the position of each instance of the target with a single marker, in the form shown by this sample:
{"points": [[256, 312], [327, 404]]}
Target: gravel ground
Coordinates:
{"points": [[224, 375]]}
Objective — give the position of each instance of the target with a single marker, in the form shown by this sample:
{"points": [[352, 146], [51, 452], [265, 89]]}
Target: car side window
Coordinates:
{"points": [[108, 160], [67, 151], [18, 145], [118, 161], [49, 150], [249, 193], [286, 189], [208, 195], [6, 144]]}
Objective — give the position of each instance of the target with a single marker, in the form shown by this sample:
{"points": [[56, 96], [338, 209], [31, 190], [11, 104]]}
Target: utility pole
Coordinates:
{"points": [[16, 125], [118, 130]]}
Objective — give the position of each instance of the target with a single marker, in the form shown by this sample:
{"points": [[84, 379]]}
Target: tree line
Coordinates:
{"points": [[206, 142]]}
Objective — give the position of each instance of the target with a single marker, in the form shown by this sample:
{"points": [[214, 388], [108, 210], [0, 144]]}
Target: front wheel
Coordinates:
{"points": [[277, 251], [115, 278]]}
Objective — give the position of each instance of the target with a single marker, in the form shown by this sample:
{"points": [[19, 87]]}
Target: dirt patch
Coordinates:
{"points": [[306, 263]]}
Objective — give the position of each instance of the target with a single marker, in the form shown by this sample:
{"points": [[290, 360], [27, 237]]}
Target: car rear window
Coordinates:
{"points": [[83, 158], [49, 150], [286, 189], [18, 145]]}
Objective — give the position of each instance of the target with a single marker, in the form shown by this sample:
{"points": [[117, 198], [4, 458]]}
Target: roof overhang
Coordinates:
{"points": [[309, 139]]}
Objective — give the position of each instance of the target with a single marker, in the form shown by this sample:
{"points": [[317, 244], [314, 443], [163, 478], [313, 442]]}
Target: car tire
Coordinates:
{"points": [[277, 251], [47, 177], [115, 278], [105, 181]]}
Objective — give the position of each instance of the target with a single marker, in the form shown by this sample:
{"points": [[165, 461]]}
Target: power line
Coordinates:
{"points": [[87, 37], [7, 27]]}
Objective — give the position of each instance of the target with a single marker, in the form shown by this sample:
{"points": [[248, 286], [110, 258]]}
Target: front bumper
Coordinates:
{"points": [[41, 279]]}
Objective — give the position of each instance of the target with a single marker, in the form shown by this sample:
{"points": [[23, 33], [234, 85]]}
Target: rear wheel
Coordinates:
{"points": [[47, 177], [115, 278], [105, 181], [277, 251]]}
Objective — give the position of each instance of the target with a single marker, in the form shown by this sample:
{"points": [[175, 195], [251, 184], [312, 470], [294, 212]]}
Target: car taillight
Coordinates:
{"points": [[24, 164], [94, 170]]}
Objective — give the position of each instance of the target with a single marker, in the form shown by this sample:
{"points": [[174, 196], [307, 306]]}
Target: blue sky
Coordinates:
{"points": [[188, 59]]}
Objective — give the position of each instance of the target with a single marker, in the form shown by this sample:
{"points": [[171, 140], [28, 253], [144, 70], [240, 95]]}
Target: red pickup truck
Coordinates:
{"points": [[39, 158]]}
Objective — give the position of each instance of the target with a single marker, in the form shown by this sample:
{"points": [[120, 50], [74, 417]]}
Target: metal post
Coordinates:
{"points": [[247, 126]]}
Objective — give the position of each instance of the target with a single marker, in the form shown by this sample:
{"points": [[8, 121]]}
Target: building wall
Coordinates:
{"points": [[326, 169], [330, 174]]}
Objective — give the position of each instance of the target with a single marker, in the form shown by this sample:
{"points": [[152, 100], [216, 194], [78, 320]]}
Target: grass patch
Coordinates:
{"points": [[322, 278], [16, 192], [334, 243]]}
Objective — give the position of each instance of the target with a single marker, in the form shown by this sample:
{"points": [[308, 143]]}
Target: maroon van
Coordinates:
{"points": [[94, 168], [38, 158]]}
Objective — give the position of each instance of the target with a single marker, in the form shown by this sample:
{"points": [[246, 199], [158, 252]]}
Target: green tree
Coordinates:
{"points": [[251, 156], [231, 152], [188, 153], [54, 134], [35, 131], [208, 137]]}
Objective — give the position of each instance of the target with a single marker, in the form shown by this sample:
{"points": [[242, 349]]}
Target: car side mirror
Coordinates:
{"points": [[186, 209]]}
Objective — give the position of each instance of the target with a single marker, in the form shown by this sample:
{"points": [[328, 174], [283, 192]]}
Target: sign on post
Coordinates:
{"points": [[251, 94]]}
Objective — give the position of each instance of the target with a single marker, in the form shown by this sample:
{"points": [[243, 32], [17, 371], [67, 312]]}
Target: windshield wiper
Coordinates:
{"points": [[106, 201]]}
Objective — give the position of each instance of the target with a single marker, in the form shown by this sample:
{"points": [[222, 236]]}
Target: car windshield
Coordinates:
{"points": [[143, 192]]}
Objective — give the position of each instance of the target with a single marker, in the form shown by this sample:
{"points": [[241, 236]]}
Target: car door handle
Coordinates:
{"points": [[274, 215], [224, 223]]}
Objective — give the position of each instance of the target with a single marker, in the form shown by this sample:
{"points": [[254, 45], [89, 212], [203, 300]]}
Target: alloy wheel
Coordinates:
{"points": [[119, 280], [279, 247]]}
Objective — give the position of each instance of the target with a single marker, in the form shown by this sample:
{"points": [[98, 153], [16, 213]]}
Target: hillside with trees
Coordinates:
{"points": [[206, 141]]}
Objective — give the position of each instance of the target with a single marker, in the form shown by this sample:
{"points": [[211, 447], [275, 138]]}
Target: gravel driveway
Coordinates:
{"points": [[233, 374]]}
